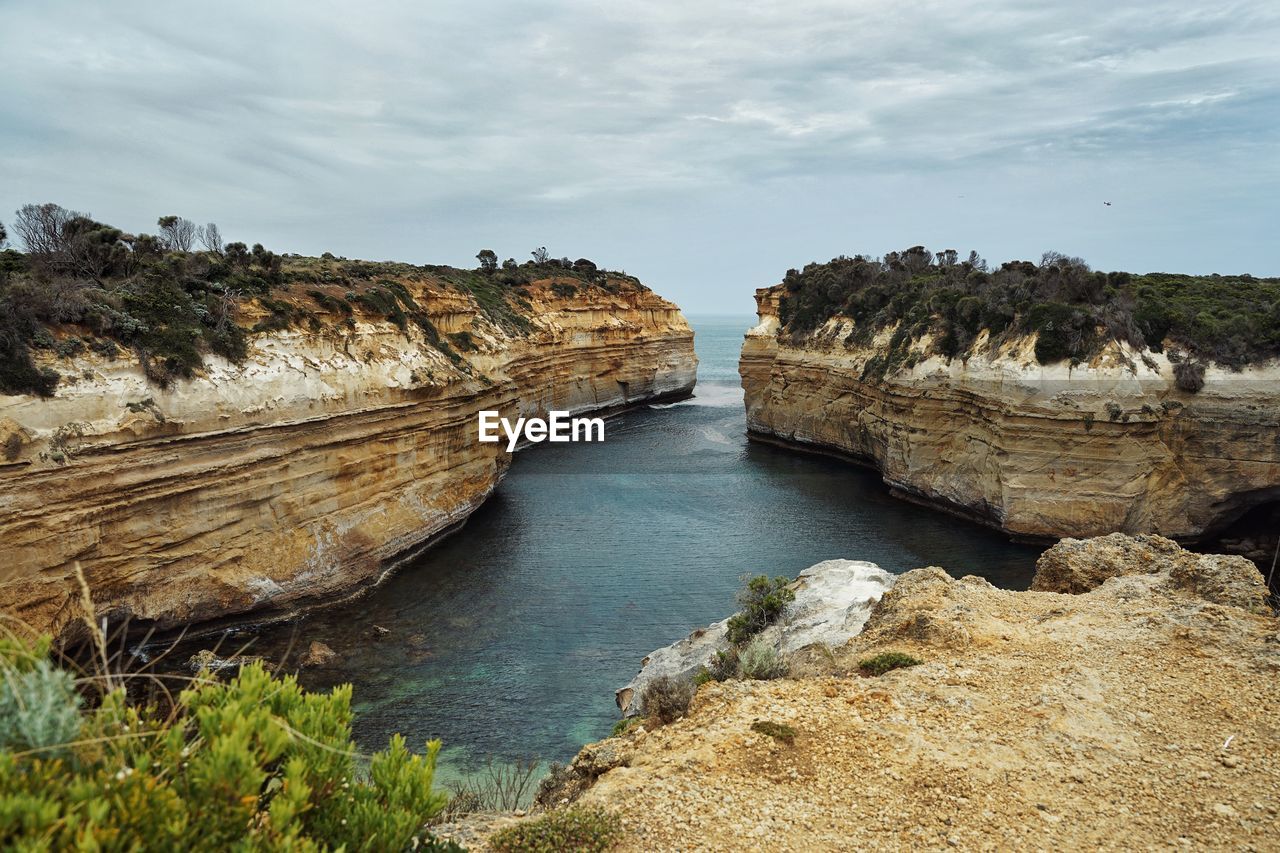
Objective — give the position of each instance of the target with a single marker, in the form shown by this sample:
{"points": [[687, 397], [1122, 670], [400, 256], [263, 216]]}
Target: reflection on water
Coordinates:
{"points": [[509, 638]]}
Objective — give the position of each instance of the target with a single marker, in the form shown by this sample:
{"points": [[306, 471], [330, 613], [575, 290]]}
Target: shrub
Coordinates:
{"points": [[1188, 375], [625, 725], [763, 602], [500, 787], [581, 828], [723, 665], [255, 763], [777, 731], [39, 707], [666, 699], [759, 660], [1231, 320], [885, 661]]}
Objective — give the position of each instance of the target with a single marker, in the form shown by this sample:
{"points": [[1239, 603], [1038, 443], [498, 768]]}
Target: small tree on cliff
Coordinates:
{"points": [[488, 260], [177, 233]]}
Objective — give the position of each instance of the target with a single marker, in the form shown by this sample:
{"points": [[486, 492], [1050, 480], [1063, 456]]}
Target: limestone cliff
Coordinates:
{"points": [[1128, 701], [308, 470], [1039, 451]]}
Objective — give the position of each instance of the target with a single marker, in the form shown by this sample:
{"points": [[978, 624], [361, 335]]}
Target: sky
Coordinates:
{"points": [[704, 146]]}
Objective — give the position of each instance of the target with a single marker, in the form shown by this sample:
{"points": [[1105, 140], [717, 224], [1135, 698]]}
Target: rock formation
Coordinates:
{"points": [[1138, 710], [833, 600], [1038, 451], [309, 470]]}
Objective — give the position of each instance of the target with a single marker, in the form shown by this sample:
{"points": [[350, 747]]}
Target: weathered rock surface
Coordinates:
{"points": [[318, 654], [1135, 714], [1049, 451], [305, 473], [833, 600], [1077, 566]]}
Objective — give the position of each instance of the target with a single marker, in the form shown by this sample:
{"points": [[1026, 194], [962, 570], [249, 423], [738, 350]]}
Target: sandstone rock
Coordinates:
{"points": [[318, 654], [1030, 449], [833, 600], [1096, 720], [1077, 566], [310, 470]]}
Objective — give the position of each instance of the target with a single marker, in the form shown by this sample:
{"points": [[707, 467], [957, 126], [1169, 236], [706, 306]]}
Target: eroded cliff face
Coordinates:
{"points": [[306, 472], [1039, 451]]}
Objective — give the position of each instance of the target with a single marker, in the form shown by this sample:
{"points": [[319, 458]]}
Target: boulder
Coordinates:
{"points": [[1079, 565], [318, 654], [833, 601]]}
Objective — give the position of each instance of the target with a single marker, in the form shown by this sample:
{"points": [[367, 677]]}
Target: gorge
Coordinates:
{"points": [[308, 469]]}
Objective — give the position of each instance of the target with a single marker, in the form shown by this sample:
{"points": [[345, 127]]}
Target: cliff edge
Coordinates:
{"points": [[344, 439], [1141, 712], [1106, 443]]}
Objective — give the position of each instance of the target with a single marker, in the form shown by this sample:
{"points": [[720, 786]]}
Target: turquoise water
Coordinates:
{"points": [[509, 638]]}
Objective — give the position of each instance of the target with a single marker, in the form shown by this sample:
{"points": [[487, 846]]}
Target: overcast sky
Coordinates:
{"points": [[705, 146]]}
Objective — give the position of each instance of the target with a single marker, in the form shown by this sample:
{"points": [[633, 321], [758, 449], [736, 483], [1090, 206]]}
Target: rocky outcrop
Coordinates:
{"points": [[832, 601], [1038, 451], [308, 471], [1137, 712], [1077, 566]]}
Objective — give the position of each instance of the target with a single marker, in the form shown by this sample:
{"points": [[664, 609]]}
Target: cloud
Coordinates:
{"points": [[403, 129]]}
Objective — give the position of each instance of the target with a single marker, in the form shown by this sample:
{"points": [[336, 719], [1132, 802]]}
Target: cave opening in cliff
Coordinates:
{"points": [[1255, 535]]}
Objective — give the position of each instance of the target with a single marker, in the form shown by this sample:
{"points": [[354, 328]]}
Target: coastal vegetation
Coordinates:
{"points": [[938, 303], [255, 763], [582, 829], [885, 661], [763, 600], [172, 298]]}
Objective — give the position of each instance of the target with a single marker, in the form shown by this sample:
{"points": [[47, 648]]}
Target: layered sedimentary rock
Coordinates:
{"points": [[1039, 451], [1139, 711], [307, 471]]}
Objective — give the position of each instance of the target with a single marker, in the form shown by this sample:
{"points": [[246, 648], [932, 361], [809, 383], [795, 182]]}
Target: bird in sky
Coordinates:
{"points": [[1107, 203]]}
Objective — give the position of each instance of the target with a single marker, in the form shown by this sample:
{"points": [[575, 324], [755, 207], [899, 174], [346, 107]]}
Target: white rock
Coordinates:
{"points": [[833, 600]]}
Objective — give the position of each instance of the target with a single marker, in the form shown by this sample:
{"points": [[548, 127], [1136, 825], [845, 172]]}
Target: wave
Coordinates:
{"points": [[714, 396]]}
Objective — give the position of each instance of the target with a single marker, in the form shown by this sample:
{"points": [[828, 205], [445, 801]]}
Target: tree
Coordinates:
{"points": [[4, 235], [917, 259], [211, 238], [41, 227], [238, 254], [488, 260], [178, 234], [540, 255]]}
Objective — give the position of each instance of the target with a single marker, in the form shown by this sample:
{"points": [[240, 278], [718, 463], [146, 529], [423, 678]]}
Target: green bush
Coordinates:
{"points": [[885, 661], [760, 661], [666, 699], [723, 665], [581, 828], [763, 602], [253, 764], [1072, 311], [625, 725], [1188, 375], [777, 731]]}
